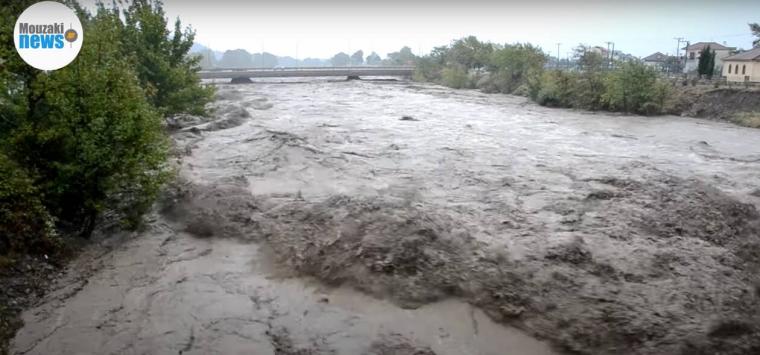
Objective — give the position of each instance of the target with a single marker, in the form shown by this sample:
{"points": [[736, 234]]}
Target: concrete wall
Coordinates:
{"points": [[752, 71]]}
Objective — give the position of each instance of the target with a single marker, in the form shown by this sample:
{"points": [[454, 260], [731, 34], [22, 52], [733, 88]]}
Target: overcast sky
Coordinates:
{"points": [[303, 28]]}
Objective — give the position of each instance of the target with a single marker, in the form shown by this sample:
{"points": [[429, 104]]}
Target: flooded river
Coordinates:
{"points": [[368, 217]]}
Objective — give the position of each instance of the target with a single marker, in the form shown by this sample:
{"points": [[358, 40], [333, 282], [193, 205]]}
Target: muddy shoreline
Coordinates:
{"points": [[597, 233]]}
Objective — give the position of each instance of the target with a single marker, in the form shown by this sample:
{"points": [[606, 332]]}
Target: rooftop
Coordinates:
{"points": [[656, 57], [750, 55], [701, 45]]}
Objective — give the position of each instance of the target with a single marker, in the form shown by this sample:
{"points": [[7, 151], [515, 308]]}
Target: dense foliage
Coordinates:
{"points": [[706, 64], [22, 213], [340, 60], [88, 138], [596, 84], [161, 60]]}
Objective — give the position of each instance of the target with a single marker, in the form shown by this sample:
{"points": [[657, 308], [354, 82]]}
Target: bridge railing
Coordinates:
{"points": [[363, 67]]}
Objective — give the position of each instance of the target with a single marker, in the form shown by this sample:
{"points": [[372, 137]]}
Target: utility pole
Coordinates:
{"points": [[612, 55], [678, 49], [558, 54], [609, 55]]}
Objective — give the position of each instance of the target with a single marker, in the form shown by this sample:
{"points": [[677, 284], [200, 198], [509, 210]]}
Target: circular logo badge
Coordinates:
{"points": [[48, 35]]}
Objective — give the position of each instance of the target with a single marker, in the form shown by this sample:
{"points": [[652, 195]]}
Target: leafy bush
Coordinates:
{"points": [[469, 53], [25, 225], [510, 65], [662, 96], [557, 89], [456, 78], [427, 69], [89, 136], [748, 119], [589, 90], [633, 88], [533, 83], [519, 69]]}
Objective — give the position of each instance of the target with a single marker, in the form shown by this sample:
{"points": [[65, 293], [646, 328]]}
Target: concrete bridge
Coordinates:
{"points": [[349, 72]]}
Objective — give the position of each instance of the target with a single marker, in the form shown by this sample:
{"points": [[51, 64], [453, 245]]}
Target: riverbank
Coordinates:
{"points": [[740, 106]]}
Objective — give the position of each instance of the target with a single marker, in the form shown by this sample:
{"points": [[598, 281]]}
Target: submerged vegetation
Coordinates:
{"points": [[749, 119], [628, 86], [88, 139]]}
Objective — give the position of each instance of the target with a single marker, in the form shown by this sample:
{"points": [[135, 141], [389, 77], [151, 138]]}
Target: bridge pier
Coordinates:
{"points": [[241, 80]]}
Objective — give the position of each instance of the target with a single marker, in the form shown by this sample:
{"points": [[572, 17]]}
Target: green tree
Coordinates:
{"points": [[589, 85], [162, 61], [208, 59], [357, 58], [557, 89], [236, 58], [706, 64], [510, 64], [340, 60], [264, 60], [755, 29], [373, 59], [25, 224], [88, 136], [427, 69], [403, 57], [632, 88], [470, 53], [440, 55], [456, 77], [15, 75]]}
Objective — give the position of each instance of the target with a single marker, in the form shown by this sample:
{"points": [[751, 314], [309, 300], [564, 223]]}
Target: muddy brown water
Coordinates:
{"points": [[516, 177]]}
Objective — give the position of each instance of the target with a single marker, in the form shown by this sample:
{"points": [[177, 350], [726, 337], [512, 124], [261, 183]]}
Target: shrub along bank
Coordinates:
{"points": [[519, 69]]}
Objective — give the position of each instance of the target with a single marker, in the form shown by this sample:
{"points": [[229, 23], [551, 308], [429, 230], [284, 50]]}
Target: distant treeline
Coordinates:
{"points": [[240, 58], [87, 141], [597, 83]]}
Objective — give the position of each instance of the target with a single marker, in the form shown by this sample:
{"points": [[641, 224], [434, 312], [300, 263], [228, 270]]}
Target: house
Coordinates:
{"points": [[693, 51], [601, 51], [656, 60], [743, 66]]}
